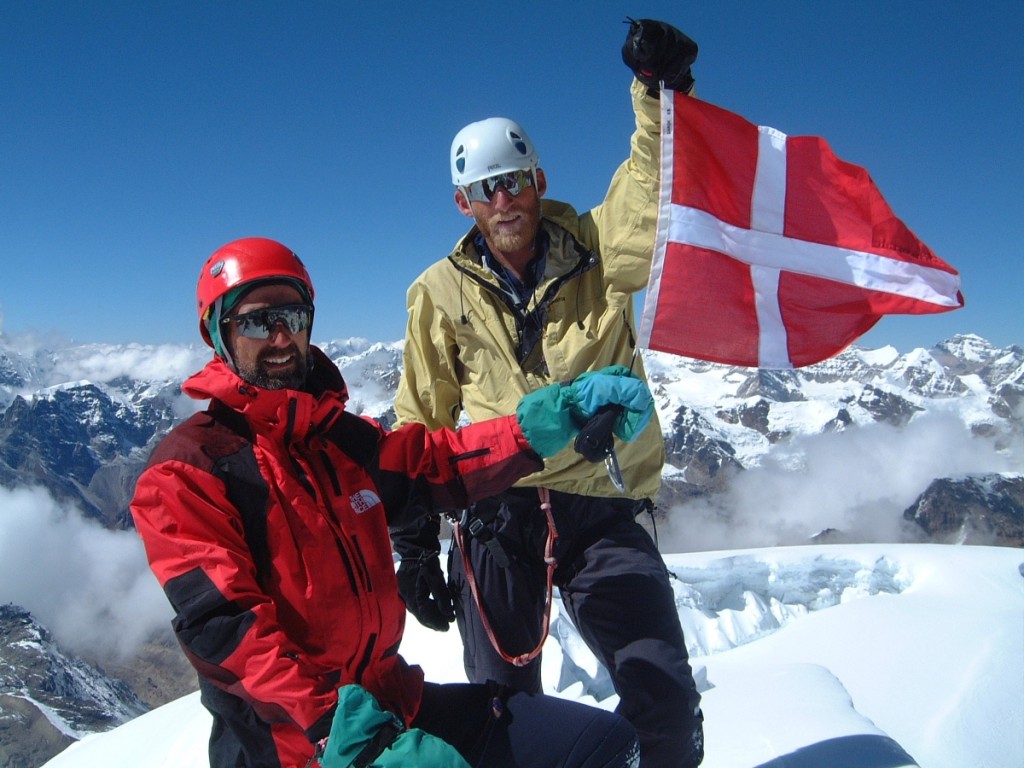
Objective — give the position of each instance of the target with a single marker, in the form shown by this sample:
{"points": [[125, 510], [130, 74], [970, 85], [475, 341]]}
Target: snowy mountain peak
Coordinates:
{"points": [[967, 347]]}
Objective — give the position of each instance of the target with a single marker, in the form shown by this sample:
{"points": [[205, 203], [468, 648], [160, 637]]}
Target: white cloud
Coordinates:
{"points": [[91, 587], [858, 481], [103, 362]]}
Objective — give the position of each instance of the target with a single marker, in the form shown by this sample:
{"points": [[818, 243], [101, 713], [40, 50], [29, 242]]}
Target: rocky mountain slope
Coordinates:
{"points": [[48, 698]]}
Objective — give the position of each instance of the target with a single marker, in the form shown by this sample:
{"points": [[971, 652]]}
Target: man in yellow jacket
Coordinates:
{"points": [[536, 293]]}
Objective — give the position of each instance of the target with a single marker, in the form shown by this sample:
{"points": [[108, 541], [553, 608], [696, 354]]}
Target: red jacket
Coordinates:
{"points": [[265, 519]]}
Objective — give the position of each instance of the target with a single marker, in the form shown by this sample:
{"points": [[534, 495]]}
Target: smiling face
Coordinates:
{"points": [[508, 222], [280, 361]]}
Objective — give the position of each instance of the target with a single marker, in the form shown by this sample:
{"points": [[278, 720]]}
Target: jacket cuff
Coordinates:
{"points": [[321, 729]]}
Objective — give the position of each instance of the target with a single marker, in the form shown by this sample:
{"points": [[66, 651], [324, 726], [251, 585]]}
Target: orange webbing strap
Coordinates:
{"points": [[549, 558]]}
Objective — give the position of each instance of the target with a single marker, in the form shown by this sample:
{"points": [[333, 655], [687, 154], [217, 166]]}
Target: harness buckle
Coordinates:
{"points": [[483, 533]]}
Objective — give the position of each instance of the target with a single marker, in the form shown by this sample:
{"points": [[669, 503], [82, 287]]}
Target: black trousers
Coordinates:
{"points": [[489, 726], [614, 586], [494, 728]]}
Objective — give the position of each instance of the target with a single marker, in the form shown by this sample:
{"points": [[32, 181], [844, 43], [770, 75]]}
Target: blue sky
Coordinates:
{"points": [[135, 138]]}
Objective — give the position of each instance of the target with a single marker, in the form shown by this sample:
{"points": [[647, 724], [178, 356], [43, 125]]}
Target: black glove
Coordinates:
{"points": [[423, 587], [659, 53]]}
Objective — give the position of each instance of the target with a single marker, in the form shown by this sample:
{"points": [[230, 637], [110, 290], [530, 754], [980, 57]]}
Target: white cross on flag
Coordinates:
{"points": [[770, 250]]}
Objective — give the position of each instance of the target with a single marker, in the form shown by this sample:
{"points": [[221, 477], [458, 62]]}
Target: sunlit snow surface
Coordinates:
{"points": [[850, 655]]}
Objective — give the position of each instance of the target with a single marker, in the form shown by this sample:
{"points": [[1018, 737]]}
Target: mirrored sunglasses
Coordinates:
{"points": [[260, 323], [513, 182]]}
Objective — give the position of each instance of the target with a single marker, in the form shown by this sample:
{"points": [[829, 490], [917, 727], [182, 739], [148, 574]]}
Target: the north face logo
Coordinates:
{"points": [[361, 501]]}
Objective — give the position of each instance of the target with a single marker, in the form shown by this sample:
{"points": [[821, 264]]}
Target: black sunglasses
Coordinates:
{"points": [[260, 323], [513, 182]]}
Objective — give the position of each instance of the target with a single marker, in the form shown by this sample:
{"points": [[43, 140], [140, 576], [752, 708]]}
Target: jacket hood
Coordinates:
{"points": [[288, 414]]}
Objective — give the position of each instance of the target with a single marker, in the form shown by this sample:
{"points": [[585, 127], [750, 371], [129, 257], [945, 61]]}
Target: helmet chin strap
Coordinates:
{"points": [[214, 327]]}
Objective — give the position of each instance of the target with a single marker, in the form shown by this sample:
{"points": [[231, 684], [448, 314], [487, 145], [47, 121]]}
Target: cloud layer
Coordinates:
{"points": [[91, 587], [857, 481]]}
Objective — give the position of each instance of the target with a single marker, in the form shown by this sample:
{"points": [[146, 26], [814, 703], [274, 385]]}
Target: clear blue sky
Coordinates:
{"points": [[137, 137]]}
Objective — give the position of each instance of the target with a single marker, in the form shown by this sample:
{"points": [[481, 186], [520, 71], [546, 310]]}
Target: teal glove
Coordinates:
{"points": [[364, 734], [616, 385], [553, 415]]}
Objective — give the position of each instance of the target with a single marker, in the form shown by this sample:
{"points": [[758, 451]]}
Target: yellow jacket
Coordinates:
{"points": [[461, 338]]}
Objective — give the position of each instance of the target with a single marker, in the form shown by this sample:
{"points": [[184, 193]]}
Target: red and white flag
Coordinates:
{"points": [[770, 250]]}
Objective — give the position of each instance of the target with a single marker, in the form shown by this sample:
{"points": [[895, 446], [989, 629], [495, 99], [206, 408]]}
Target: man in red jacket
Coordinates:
{"points": [[265, 519]]}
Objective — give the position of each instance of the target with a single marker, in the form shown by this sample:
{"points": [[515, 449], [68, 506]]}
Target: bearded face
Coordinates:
{"points": [[509, 223], [276, 369], [509, 229], [279, 361]]}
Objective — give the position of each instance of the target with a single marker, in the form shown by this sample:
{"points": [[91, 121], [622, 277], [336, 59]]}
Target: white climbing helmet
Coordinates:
{"points": [[489, 147]]}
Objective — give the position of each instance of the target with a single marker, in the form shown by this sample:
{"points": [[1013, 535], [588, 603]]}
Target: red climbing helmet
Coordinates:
{"points": [[240, 262]]}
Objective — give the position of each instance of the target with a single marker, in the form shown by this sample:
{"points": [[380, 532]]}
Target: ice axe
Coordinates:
{"points": [[596, 442]]}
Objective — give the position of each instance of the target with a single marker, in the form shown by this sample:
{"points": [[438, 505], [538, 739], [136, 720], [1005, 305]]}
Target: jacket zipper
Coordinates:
{"points": [[357, 557], [324, 500], [364, 662]]}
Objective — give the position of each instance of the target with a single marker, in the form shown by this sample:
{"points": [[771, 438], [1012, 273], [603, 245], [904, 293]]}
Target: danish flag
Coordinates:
{"points": [[770, 250]]}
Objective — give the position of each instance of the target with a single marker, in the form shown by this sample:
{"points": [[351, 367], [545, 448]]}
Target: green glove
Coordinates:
{"points": [[364, 734], [594, 390], [552, 416]]}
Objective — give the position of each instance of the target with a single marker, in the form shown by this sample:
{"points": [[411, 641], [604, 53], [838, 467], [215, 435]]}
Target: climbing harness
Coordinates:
{"points": [[551, 563]]}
